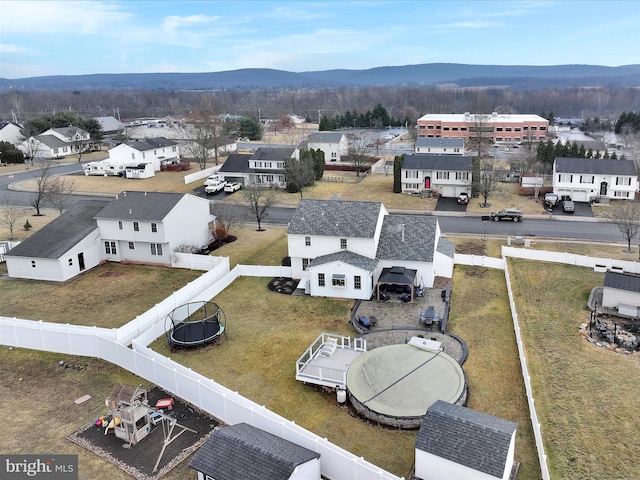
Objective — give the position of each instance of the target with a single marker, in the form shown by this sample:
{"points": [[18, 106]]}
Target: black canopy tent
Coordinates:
{"points": [[397, 276]]}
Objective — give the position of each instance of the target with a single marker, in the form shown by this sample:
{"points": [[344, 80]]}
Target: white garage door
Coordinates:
{"points": [[449, 191]]}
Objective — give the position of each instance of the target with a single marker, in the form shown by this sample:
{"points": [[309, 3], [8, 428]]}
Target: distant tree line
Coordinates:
{"points": [[378, 118], [38, 125], [403, 104], [548, 151], [628, 122]]}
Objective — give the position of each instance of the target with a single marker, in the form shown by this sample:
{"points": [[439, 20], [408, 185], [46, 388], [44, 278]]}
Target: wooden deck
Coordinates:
{"points": [[329, 370]]}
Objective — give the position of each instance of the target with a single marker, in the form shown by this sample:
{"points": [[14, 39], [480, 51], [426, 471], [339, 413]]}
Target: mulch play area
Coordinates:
{"points": [[286, 286], [139, 460]]}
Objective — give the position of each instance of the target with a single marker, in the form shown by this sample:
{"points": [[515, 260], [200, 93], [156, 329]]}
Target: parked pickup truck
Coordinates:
{"points": [[232, 187], [214, 186], [512, 214]]}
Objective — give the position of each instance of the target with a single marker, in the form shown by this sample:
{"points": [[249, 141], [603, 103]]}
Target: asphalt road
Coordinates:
{"points": [[574, 227]]}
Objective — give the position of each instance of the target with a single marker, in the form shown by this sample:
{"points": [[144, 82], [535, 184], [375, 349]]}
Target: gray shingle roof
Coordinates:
{"points": [[151, 143], [325, 137], [273, 154], [236, 163], [446, 247], [407, 237], [335, 218], [52, 141], [144, 206], [622, 281], [248, 453], [69, 131], [466, 437], [351, 258], [440, 142], [58, 237], [595, 166], [423, 161], [398, 275], [110, 123]]}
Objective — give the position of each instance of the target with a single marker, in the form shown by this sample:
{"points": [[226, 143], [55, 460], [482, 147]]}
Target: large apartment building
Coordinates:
{"points": [[502, 128]]}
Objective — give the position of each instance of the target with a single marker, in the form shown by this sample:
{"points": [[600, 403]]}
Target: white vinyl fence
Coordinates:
{"points": [[200, 174], [478, 261], [213, 398], [195, 262]]}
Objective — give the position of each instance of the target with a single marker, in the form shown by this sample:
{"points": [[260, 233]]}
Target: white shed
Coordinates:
{"points": [[622, 291], [457, 443]]}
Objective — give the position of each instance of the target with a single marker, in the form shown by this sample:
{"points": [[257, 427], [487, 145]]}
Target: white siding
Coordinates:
{"points": [[307, 471], [349, 290], [612, 297], [188, 222]]}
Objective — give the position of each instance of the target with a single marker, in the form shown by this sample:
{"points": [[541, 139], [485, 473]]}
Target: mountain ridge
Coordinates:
{"points": [[419, 75]]}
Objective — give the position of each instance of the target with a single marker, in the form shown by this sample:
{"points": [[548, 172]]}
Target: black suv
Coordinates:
{"points": [[512, 214]]}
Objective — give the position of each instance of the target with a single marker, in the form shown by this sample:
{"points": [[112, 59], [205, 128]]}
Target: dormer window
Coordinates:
{"points": [[343, 243]]}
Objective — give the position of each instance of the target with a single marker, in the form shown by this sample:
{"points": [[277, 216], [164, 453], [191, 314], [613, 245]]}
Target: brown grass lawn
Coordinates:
{"points": [[268, 247], [480, 314], [93, 298], [507, 197], [585, 396]]}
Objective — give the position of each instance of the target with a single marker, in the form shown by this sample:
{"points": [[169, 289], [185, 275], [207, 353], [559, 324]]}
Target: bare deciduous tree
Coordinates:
{"points": [[480, 134], [259, 200], [485, 179], [60, 190], [10, 215], [42, 193], [626, 216], [358, 151]]}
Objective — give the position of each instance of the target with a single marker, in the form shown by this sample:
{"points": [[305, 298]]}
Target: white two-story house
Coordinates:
{"points": [[136, 227], [449, 175], [341, 248], [266, 165], [334, 145], [150, 150], [56, 142], [439, 146], [586, 179]]}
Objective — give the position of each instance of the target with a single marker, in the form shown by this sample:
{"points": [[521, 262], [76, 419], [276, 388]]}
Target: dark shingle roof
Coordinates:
{"points": [[440, 142], [595, 166], [407, 237], [335, 218], [52, 141], [273, 154], [325, 137], [423, 161], [345, 256], [466, 437], [398, 275], [58, 237], [245, 452], [236, 163], [446, 247], [622, 281], [151, 143], [144, 206]]}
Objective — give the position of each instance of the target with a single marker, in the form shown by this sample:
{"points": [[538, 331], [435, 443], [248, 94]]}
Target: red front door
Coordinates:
{"points": [[427, 183]]}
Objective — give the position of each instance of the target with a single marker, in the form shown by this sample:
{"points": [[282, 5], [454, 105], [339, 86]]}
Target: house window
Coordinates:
{"points": [[136, 227], [343, 243], [456, 150], [411, 174], [543, 128], [154, 227], [621, 194], [442, 175], [517, 129], [498, 129], [446, 129], [71, 262], [133, 156], [357, 282], [421, 127], [144, 155], [305, 263], [338, 280], [156, 249], [508, 129], [307, 241], [462, 175], [429, 127], [110, 248], [120, 224], [534, 128], [55, 151], [565, 177], [463, 129], [411, 186], [132, 246], [334, 155], [173, 149], [623, 181], [33, 263], [586, 178], [321, 279], [454, 129]]}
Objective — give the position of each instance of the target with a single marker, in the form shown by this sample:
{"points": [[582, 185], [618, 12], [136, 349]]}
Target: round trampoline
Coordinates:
{"points": [[395, 384], [195, 324]]}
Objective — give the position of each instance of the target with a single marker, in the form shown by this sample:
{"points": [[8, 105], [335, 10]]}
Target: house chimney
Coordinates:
{"points": [[129, 211]]}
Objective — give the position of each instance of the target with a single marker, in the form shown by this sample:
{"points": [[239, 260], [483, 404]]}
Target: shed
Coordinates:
{"points": [[459, 443], [622, 291], [246, 452]]}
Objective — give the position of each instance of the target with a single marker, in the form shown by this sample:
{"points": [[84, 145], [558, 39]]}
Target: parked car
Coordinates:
{"points": [[215, 187], [213, 179], [463, 198], [568, 206], [232, 187], [512, 214], [551, 199]]}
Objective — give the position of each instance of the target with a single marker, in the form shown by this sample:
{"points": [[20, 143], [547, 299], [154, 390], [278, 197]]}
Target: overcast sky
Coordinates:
{"points": [[77, 37]]}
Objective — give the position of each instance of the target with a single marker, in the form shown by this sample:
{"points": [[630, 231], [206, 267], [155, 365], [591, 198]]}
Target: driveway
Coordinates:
{"points": [[582, 209], [446, 204]]}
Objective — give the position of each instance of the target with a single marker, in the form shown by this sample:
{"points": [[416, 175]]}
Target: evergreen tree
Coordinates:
{"points": [[397, 173]]}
